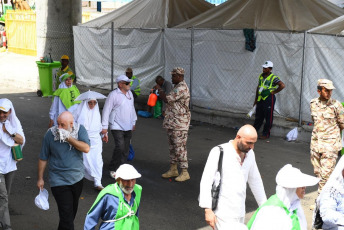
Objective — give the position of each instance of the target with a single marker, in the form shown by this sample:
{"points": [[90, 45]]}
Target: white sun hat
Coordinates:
{"points": [[41, 199], [290, 177], [127, 172]]}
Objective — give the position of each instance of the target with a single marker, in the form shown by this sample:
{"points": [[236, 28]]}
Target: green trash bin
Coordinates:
{"points": [[45, 71]]}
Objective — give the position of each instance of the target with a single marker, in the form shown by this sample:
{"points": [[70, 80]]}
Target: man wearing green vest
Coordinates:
{"points": [[268, 85], [283, 210], [117, 205], [135, 84]]}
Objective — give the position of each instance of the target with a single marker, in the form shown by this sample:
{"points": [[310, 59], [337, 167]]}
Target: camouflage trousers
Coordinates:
{"points": [[177, 146], [324, 164]]}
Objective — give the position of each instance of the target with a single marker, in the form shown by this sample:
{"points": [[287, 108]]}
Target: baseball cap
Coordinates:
{"points": [[290, 177], [5, 104], [268, 64], [123, 78], [326, 83], [65, 57], [127, 172], [178, 70]]}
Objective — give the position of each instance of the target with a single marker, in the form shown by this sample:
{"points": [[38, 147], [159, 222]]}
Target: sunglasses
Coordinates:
{"points": [[126, 83]]}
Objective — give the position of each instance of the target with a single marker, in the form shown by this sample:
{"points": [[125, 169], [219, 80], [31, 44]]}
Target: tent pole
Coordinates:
{"points": [[191, 64], [112, 37], [302, 76]]}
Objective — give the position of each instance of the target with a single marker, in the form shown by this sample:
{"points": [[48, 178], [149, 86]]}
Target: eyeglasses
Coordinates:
{"points": [[124, 82]]}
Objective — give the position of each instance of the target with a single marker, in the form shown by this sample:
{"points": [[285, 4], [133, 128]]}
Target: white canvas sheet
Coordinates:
{"points": [[140, 49]]}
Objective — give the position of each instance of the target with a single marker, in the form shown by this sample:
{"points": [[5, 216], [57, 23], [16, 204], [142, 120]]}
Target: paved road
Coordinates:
{"points": [[165, 204]]}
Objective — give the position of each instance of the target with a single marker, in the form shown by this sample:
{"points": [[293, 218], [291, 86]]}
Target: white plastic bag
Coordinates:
{"points": [[292, 135], [252, 111], [41, 199]]}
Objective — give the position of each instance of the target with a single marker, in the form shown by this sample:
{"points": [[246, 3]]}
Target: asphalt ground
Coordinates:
{"points": [[165, 204]]}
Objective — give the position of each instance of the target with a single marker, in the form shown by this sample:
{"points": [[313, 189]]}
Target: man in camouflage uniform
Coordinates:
{"points": [[177, 121], [328, 118]]}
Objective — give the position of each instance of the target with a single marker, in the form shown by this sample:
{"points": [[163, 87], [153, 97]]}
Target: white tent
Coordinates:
{"points": [[335, 27], [138, 40], [151, 14], [276, 15]]}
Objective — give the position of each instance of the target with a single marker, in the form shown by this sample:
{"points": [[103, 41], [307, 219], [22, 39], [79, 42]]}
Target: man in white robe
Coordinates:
{"points": [[239, 168]]}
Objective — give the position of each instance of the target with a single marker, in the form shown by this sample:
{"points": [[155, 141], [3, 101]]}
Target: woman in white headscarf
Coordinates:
{"points": [[11, 134], [283, 210], [88, 115], [64, 98], [331, 199]]}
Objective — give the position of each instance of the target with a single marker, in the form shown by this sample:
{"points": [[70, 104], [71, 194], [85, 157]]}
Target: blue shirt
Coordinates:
{"points": [[65, 164], [106, 209]]}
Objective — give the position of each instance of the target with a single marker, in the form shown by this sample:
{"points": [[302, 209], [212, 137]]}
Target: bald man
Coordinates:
{"points": [[239, 167], [63, 146]]}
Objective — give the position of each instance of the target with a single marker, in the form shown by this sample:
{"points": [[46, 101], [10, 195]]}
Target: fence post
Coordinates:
{"points": [[191, 64], [112, 37], [302, 76]]}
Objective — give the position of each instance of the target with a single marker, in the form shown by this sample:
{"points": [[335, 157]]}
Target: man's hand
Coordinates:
{"points": [[105, 136], [51, 123], [134, 127], [40, 184], [210, 217]]}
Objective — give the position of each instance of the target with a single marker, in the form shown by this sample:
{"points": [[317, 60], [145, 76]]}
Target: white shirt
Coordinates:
{"points": [[119, 111], [273, 217], [57, 107], [7, 164], [231, 203]]}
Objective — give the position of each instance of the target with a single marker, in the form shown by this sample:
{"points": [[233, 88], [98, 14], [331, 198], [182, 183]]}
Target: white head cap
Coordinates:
{"points": [[290, 177], [123, 78], [127, 172], [268, 64]]}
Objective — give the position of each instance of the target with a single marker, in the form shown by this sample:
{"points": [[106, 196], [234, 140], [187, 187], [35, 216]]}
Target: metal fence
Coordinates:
{"points": [[221, 73]]}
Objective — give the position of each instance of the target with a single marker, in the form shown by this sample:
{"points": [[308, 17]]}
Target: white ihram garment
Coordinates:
{"points": [[93, 160], [231, 203]]}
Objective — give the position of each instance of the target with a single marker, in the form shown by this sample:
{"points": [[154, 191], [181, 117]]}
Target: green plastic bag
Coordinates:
{"points": [[158, 109]]}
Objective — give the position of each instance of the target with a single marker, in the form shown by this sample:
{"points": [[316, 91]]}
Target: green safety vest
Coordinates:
{"points": [[275, 201], [266, 83], [68, 95], [126, 216], [137, 90]]}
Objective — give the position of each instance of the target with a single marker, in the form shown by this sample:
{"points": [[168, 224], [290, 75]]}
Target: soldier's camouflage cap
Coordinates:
{"points": [[178, 70], [326, 83]]}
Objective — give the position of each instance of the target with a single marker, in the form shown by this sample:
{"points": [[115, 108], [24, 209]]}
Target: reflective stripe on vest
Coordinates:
{"points": [[137, 90], [266, 83], [126, 215], [275, 201]]}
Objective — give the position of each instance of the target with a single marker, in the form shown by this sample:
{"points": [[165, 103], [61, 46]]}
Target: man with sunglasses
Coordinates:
{"points": [[177, 122], [119, 113]]}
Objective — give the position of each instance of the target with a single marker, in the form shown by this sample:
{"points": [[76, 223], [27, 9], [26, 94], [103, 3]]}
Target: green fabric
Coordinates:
{"points": [[266, 83], [158, 109], [130, 222], [138, 88], [275, 201], [68, 95]]}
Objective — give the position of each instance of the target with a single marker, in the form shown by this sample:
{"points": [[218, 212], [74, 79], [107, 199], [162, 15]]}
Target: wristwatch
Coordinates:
{"points": [[13, 135]]}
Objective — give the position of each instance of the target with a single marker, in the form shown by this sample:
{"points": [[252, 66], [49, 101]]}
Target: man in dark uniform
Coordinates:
{"points": [[268, 85]]}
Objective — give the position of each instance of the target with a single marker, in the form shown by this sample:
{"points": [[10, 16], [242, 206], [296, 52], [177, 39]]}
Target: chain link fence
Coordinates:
{"points": [[221, 73]]}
